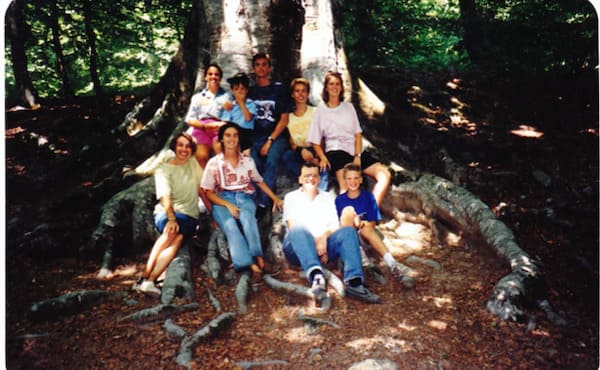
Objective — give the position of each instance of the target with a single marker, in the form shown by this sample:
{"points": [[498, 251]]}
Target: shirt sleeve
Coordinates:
{"points": [[314, 132], [209, 179], [373, 213], [252, 171], [161, 179], [193, 113], [357, 128]]}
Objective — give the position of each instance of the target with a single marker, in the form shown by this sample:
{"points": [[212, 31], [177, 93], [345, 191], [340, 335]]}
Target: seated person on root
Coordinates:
{"points": [[175, 216], [203, 113], [359, 209], [315, 237], [229, 181], [336, 124], [270, 138], [240, 109], [299, 123]]}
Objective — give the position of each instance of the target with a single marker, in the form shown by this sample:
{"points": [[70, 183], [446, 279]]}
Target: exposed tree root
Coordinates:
{"points": [[70, 303], [217, 249], [189, 343], [159, 312], [213, 300], [173, 329], [134, 204], [242, 291], [440, 199], [178, 280]]}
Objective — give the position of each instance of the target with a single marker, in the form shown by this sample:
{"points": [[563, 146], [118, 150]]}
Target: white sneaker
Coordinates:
{"points": [[148, 287]]}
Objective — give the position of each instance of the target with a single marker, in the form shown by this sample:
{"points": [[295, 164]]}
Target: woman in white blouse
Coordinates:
{"points": [[335, 123]]}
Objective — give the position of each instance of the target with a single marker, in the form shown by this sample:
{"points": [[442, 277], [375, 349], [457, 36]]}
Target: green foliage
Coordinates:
{"points": [[135, 40], [518, 37], [422, 35], [536, 37]]}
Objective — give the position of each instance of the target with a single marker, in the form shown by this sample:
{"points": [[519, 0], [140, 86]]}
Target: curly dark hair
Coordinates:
{"points": [[185, 135]]}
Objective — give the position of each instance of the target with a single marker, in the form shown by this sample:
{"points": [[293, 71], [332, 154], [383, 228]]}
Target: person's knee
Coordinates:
{"points": [[382, 173], [347, 216]]}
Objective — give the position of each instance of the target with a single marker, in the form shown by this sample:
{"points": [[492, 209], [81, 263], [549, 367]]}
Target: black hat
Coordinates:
{"points": [[238, 78]]}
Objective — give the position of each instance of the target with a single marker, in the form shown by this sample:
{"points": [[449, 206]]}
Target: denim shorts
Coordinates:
{"points": [[187, 224]]}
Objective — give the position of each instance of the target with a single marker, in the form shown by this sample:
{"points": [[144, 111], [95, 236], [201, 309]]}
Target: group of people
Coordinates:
{"points": [[250, 132]]}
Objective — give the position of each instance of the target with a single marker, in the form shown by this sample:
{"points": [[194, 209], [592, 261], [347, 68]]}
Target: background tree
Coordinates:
{"points": [[61, 63], [16, 30]]}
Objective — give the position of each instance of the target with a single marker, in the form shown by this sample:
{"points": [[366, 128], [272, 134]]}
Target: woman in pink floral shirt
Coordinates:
{"points": [[229, 181]]}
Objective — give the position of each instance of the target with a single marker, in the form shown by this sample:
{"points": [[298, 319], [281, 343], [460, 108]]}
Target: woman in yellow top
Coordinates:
{"points": [[176, 214], [299, 124]]}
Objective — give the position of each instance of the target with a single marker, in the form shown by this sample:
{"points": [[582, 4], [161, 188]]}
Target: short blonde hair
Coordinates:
{"points": [[300, 81]]}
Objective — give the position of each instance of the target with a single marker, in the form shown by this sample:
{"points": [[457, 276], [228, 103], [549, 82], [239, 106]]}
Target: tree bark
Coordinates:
{"points": [[474, 34], [92, 54], [61, 66], [16, 29]]}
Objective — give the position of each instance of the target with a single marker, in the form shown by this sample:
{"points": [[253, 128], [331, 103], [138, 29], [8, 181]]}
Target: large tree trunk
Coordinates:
{"points": [[16, 29], [474, 34], [305, 38]]}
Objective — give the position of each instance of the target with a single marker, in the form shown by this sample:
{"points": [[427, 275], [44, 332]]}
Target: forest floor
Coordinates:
{"points": [[545, 188]]}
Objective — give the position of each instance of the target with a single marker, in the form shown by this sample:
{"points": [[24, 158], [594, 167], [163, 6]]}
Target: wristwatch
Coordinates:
{"points": [[357, 155], [270, 138]]}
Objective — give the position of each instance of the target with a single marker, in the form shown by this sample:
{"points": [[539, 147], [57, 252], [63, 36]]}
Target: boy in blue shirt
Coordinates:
{"points": [[359, 209], [240, 109]]}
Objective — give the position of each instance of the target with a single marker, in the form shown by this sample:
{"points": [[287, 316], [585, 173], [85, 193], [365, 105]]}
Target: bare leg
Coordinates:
{"points": [[216, 147], [369, 234], [382, 180], [339, 175], [348, 217], [202, 154], [161, 243], [165, 257]]}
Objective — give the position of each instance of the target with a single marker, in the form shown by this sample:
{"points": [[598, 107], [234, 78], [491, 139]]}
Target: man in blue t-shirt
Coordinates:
{"points": [[273, 102], [359, 209]]}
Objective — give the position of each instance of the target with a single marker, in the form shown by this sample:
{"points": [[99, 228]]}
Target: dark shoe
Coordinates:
{"points": [[361, 293], [401, 273], [319, 286]]}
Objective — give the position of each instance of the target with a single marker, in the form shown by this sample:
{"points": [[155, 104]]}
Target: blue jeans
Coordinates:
{"points": [[269, 165], [242, 247], [292, 161], [300, 250], [187, 224]]}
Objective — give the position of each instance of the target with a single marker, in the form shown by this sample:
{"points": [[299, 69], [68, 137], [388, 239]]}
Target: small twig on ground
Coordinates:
{"points": [[250, 364], [316, 321]]}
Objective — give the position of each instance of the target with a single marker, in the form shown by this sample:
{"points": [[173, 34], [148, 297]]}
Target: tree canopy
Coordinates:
{"points": [[135, 39]]}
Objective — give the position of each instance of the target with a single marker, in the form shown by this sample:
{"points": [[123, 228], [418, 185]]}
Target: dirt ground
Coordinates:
{"points": [[441, 323]]}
